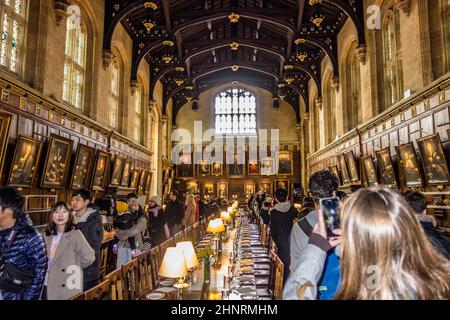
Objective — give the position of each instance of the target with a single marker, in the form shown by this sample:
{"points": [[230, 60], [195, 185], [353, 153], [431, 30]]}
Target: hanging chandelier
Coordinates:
{"points": [[234, 67], [234, 46], [317, 17], [233, 17]]}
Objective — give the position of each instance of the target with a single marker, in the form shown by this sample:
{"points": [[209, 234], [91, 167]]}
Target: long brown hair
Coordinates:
{"points": [[385, 253], [50, 229]]}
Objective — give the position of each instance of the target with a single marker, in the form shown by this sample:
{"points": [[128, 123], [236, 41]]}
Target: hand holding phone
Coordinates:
{"points": [[330, 207]]}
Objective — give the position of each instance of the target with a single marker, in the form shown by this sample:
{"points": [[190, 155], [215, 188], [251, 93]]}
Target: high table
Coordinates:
{"points": [[245, 284]]}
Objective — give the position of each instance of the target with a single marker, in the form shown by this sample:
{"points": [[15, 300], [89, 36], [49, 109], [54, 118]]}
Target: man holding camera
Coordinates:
{"points": [[23, 258]]}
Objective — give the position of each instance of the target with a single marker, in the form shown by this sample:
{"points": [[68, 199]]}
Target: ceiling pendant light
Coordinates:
{"points": [[149, 23], [301, 56], [167, 56], [234, 67], [179, 77], [289, 75], [281, 91], [233, 17], [234, 46], [317, 17]]}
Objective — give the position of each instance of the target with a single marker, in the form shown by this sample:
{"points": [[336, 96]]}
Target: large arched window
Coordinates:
{"points": [[235, 111], [353, 89], [330, 111], [13, 21], [439, 21], [114, 92], [393, 81], [75, 64]]}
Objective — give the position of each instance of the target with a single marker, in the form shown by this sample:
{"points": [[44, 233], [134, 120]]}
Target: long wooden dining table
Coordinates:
{"points": [[249, 279]]}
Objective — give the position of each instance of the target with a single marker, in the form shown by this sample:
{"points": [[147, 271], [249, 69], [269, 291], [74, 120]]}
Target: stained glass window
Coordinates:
{"points": [[13, 22], [114, 94], [235, 111], [74, 66]]}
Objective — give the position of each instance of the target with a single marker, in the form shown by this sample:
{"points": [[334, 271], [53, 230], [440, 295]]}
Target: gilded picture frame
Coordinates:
{"points": [[134, 178], [5, 124], [285, 163], [126, 174], [117, 170], [433, 160], [82, 167], [25, 161], [222, 189], [370, 171], [217, 168], [101, 170], [410, 175], [352, 166], [204, 168], [253, 168], [345, 176], [57, 160]]}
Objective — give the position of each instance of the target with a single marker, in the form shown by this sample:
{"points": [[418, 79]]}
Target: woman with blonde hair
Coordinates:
{"points": [[385, 254], [189, 211]]}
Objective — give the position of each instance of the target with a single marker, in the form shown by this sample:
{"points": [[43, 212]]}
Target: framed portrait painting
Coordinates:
{"points": [[56, 163], [386, 168], [204, 168], [268, 166], [5, 124], [352, 167], [217, 168], [134, 178], [82, 168], [148, 182], [236, 170], [370, 171], [285, 163], [408, 165], [100, 175], [222, 190], [266, 186], [208, 189], [282, 184], [116, 175], [126, 174], [25, 160], [344, 171], [142, 180], [334, 170], [186, 167], [253, 168], [249, 189], [192, 186], [433, 159]]}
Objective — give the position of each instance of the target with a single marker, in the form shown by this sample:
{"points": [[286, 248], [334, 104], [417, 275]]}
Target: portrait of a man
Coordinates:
{"points": [[82, 167], [409, 165], [285, 163], [387, 175], [56, 163], [433, 159], [24, 163]]}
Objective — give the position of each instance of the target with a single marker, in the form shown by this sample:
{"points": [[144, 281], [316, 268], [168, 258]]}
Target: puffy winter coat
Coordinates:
{"points": [[27, 251]]}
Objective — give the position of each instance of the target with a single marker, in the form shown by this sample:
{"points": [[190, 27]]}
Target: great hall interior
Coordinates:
{"points": [[101, 95]]}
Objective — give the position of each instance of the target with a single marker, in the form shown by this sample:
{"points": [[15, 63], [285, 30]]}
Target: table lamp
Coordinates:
{"points": [[173, 266], [226, 218], [189, 254]]}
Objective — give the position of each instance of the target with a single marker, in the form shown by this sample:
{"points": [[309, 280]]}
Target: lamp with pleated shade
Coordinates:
{"points": [[225, 216], [189, 253], [174, 266]]}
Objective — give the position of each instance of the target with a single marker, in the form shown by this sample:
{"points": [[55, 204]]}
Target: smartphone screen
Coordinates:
{"points": [[330, 207]]}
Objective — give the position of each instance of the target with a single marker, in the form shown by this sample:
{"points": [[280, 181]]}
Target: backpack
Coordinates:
{"points": [[331, 276]]}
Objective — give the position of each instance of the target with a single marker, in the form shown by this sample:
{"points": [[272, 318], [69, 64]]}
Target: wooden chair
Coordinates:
{"points": [[130, 274], [273, 246], [155, 261], [276, 280], [116, 283], [104, 259], [178, 237], [99, 292], [144, 273]]}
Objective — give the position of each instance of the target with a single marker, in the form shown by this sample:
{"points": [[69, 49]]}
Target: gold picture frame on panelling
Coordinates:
{"points": [[82, 167], [285, 163], [386, 168], [134, 178], [142, 180], [186, 167], [433, 159], [57, 159], [370, 171], [204, 168], [126, 174], [344, 171], [352, 167], [5, 124], [192, 186], [253, 168], [117, 171], [249, 189], [208, 189], [222, 190], [25, 161], [268, 166], [266, 186], [410, 175], [217, 168], [284, 184], [148, 183], [101, 170]]}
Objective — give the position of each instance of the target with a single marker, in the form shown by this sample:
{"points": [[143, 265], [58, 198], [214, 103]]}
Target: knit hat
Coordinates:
{"points": [[141, 201], [121, 206], [156, 199]]}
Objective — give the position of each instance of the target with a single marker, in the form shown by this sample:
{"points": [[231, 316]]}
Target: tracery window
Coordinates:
{"points": [[235, 111], [13, 21], [114, 94]]}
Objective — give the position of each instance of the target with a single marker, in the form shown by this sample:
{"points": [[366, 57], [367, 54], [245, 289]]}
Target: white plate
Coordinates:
{"points": [[155, 296], [167, 283], [165, 289]]}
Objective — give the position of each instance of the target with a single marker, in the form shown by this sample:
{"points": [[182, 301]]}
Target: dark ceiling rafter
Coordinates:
{"points": [[201, 29]]}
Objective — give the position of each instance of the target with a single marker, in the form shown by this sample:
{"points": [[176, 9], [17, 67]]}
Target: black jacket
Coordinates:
{"points": [[156, 225], [92, 230], [174, 213], [281, 223], [440, 243], [264, 214]]}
